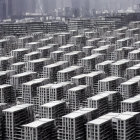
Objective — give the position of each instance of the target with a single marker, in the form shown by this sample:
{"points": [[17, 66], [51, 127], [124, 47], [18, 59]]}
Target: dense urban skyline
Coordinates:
{"points": [[69, 70], [9, 8]]}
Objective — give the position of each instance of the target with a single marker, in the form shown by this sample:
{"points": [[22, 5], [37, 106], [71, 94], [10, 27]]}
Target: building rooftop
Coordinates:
{"points": [[17, 108], [39, 60], [108, 92], [133, 67], [66, 46], [98, 121], [123, 117], [3, 73], [20, 50], [130, 113], [131, 81], [110, 78], [5, 85], [109, 116], [77, 36], [131, 100], [120, 62], [3, 40], [61, 84], [87, 110], [135, 51], [124, 39], [25, 37], [102, 48], [73, 115], [59, 63], [46, 86], [80, 87], [105, 62], [138, 42], [94, 39], [69, 69], [45, 39], [52, 104], [125, 48], [133, 29], [45, 47], [92, 56], [38, 123], [33, 43], [94, 73], [18, 63], [23, 74], [98, 97], [79, 76], [88, 47], [36, 81], [78, 113], [73, 53], [126, 115], [57, 51], [32, 53], [5, 58]]}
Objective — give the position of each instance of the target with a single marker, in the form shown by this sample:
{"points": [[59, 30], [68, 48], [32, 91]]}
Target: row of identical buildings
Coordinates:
{"points": [[75, 85]]}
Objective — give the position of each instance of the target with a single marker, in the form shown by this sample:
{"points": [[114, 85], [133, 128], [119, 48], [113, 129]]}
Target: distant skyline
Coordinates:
{"points": [[10, 8]]}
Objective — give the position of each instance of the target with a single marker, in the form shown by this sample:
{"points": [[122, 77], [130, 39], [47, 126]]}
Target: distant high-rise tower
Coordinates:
{"points": [[48, 6], [76, 7], [75, 3], [85, 8], [2, 9]]}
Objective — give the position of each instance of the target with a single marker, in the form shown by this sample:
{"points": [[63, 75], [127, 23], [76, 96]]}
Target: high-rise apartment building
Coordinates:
{"points": [[74, 57], [89, 62], [19, 54], [130, 88], [132, 71], [75, 123], [67, 73], [53, 110], [37, 65], [5, 63], [79, 79], [111, 83], [87, 50], [19, 67], [18, 79], [30, 93], [99, 102], [132, 104], [46, 50], [125, 126], [105, 49], [118, 68], [53, 92], [7, 94], [42, 129], [57, 55], [105, 66], [31, 56], [67, 48], [134, 55], [77, 96], [50, 71], [93, 78], [14, 118], [99, 129]]}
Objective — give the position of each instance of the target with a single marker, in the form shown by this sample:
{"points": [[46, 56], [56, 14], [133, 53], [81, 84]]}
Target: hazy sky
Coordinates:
{"points": [[93, 4]]}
